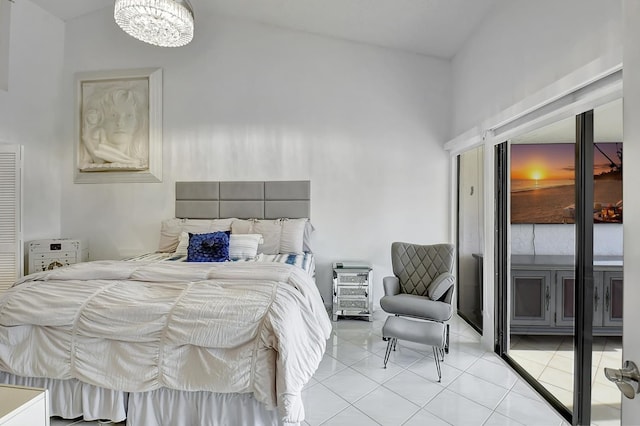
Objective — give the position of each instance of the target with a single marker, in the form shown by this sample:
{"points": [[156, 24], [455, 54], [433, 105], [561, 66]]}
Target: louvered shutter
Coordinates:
{"points": [[10, 215]]}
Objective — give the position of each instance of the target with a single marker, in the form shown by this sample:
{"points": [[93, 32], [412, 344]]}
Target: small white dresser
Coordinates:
{"points": [[352, 290], [20, 406], [50, 254]]}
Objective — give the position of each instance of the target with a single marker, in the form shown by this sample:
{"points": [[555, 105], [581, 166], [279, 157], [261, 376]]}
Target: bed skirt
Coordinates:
{"points": [[71, 399]]}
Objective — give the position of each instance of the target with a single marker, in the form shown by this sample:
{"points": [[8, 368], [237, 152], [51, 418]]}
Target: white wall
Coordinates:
{"points": [[30, 114], [246, 101], [560, 239], [525, 46]]}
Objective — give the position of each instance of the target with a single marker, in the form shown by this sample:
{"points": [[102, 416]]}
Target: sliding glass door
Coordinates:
{"points": [[559, 258]]}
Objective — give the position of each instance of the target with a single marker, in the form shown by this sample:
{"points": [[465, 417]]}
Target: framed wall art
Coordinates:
{"points": [[543, 183], [118, 128]]}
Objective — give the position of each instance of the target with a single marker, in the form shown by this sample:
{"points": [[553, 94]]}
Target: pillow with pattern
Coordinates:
{"points": [[244, 246], [212, 247]]}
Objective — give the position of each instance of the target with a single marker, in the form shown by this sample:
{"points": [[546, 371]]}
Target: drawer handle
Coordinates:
{"points": [[547, 297], [596, 299]]}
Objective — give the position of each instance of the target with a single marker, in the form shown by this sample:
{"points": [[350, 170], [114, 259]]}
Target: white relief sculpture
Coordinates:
{"points": [[114, 126]]}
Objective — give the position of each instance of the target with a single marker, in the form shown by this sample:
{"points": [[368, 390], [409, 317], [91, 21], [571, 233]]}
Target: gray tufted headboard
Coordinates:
{"points": [[244, 200]]}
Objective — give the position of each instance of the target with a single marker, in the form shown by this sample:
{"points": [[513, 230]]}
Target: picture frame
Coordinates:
{"points": [[118, 126], [542, 186]]}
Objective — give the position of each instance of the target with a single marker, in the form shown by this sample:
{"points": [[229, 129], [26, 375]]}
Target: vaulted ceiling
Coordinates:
{"points": [[429, 27]]}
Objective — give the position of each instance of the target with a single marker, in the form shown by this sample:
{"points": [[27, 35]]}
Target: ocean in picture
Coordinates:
{"points": [[518, 185]]}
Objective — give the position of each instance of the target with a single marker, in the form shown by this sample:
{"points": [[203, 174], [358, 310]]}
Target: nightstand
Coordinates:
{"points": [[21, 406], [352, 290]]}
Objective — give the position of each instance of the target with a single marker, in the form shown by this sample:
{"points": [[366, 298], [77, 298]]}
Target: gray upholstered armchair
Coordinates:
{"points": [[423, 283]]}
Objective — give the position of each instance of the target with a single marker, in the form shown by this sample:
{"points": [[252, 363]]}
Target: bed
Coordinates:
{"points": [[160, 341]]}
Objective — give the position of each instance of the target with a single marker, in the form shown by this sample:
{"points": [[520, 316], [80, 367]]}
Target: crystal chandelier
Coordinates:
{"points": [[165, 23]]}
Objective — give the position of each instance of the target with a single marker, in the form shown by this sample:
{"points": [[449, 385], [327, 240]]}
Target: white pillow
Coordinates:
{"points": [[308, 230], [244, 246], [279, 235], [183, 244], [269, 229], [292, 237]]}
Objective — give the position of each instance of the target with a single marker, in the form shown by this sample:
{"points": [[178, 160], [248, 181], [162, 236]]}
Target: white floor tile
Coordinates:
{"points": [[328, 367], [460, 360], [350, 384], [524, 389], [426, 368], [500, 375], [402, 356], [386, 407], [423, 418], [478, 390], [413, 387], [490, 356], [348, 353], [350, 417], [497, 419], [558, 378], [321, 404], [457, 410], [373, 367], [527, 411]]}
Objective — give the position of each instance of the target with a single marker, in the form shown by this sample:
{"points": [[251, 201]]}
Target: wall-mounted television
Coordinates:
{"points": [[543, 183]]}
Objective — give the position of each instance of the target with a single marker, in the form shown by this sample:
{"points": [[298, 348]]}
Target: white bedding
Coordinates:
{"points": [[242, 327], [305, 261]]}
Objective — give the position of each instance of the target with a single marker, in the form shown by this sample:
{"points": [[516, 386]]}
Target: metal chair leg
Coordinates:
{"points": [[390, 344], [446, 339], [395, 342], [436, 356]]}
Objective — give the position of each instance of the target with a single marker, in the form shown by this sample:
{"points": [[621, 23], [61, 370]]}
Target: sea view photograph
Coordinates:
{"points": [[543, 183]]}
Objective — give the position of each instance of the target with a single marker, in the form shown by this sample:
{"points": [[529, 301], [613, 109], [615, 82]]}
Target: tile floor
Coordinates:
{"points": [[351, 388], [550, 360]]}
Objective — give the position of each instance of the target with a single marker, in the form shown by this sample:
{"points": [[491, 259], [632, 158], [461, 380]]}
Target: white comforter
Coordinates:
{"points": [[135, 327]]}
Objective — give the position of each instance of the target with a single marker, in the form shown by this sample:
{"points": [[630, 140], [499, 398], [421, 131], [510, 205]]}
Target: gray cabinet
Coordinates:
{"points": [[565, 290], [543, 289], [612, 299], [531, 298]]}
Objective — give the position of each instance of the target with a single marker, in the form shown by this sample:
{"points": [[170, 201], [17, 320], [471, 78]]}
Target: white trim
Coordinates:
{"points": [[598, 93], [466, 141], [565, 88]]}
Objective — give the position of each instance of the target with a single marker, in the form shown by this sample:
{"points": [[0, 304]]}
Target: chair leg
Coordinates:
{"points": [[446, 340], [395, 342], [390, 344], [436, 356]]}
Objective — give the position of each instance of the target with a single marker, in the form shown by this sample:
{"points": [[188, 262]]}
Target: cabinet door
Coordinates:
{"points": [[613, 298], [531, 298], [565, 288]]}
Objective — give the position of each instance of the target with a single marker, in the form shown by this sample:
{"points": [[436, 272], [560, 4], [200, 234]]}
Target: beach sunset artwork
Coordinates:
{"points": [[543, 183]]}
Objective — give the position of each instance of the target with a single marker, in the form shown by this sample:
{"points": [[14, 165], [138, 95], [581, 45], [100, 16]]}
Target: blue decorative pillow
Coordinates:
{"points": [[213, 247]]}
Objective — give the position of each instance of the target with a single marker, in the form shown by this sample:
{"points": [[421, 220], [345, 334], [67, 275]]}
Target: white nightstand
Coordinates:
{"points": [[352, 290], [50, 254], [20, 406]]}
